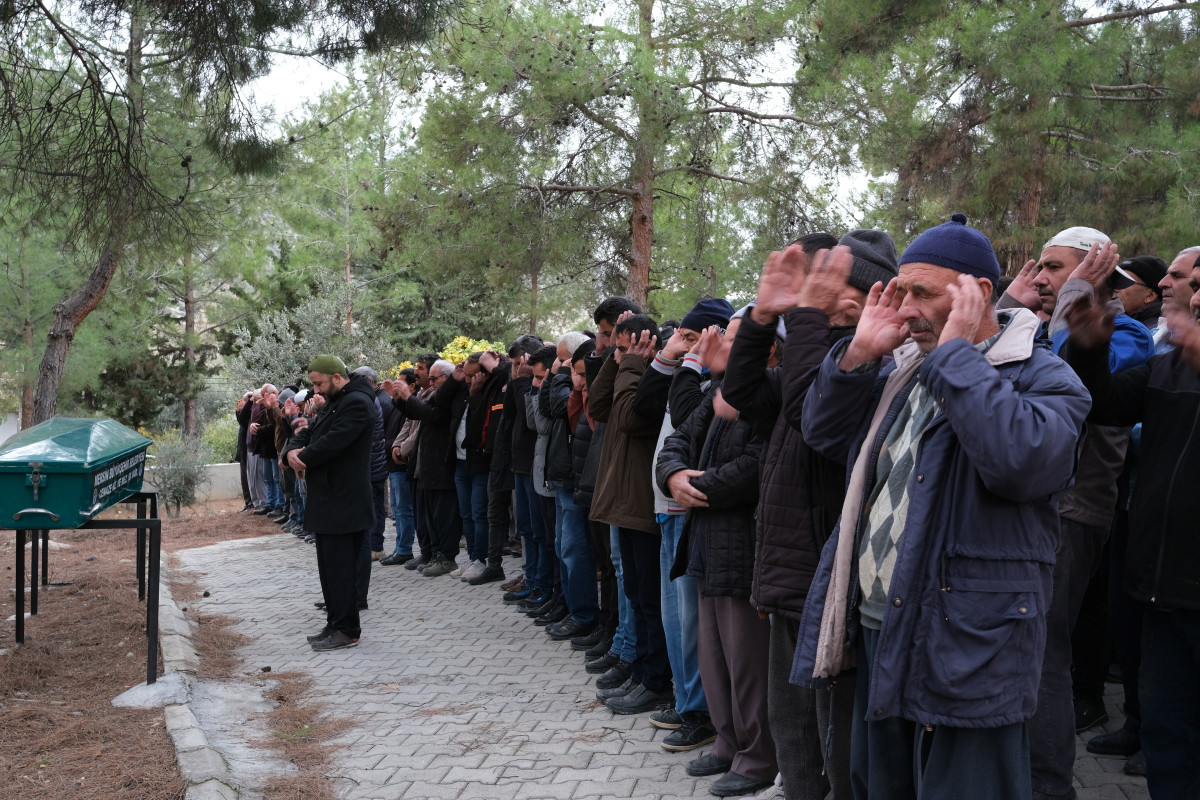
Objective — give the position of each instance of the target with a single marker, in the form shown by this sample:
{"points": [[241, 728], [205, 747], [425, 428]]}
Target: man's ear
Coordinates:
{"points": [[987, 287]]}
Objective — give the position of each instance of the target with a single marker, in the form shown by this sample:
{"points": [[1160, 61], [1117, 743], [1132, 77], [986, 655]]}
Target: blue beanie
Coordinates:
{"points": [[714, 311], [955, 246]]}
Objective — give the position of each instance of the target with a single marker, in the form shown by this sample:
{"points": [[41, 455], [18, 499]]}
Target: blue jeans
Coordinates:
{"points": [[575, 552], [625, 639], [299, 496], [527, 508], [680, 620], [472, 506], [1169, 690], [402, 512], [270, 473]]}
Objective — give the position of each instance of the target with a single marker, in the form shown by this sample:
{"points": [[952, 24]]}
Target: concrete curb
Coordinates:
{"points": [[205, 770]]}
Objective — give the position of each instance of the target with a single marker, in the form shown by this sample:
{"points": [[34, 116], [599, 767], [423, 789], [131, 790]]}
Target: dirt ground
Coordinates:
{"points": [[60, 736]]}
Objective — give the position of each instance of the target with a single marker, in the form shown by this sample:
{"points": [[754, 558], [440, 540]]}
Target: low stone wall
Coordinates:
{"points": [[224, 482]]}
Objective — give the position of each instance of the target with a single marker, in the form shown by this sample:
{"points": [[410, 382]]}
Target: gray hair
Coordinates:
{"points": [[368, 373], [572, 340], [443, 366], [1193, 249]]}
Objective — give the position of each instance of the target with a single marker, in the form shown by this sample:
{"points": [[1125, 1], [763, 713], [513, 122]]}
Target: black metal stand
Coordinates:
{"points": [[147, 568]]}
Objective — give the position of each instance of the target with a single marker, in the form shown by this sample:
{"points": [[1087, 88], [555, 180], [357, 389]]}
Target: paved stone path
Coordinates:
{"points": [[455, 695]]}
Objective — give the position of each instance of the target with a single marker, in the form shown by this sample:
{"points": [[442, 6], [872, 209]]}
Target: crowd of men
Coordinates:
{"points": [[877, 534]]}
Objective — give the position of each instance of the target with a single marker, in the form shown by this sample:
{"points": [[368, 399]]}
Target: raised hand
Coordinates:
{"points": [[1022, 289], [826, 281], [880, 329], [676, 346], [1098, 264], [1185, 334], [779, 285], [1091, 324], [686, 495], [966, 310], [489, 360], [645, 346], [710, 340], [522, 368], [722, 409]]}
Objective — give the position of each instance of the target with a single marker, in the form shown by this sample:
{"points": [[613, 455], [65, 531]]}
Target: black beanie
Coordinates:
{"points": [[874, 258]]}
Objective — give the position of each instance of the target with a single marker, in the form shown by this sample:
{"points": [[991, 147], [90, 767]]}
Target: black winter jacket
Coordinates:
{"points": [[802, 490], [524, 438], [337, 456], [1162, 564], [484, 412], [728, 452], [435, 459], [379, 445], [560, 466]]}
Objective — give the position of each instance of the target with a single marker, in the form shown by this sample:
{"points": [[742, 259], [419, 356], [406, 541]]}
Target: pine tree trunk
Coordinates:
{"points": [[641, 219], [27, 347], [70, 312], [189, 346]]}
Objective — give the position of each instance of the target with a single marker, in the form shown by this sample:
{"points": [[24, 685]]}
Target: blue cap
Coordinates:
{"points": [[714, 311], [955, 246]]}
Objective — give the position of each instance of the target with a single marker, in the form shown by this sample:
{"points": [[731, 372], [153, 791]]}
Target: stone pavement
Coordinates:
{"points": [[455, 695]]}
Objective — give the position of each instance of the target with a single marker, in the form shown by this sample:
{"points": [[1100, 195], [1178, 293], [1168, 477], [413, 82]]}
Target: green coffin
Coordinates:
{"points": [[63, 472]]}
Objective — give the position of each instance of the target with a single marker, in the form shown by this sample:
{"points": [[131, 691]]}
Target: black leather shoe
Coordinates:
{"points": [[536, 599], [735, 784], [320, 606], [285, 519], [707, 764], [1088, 715], [588, 641], [246, 507], [569, 628], [1118, 743], [416, 562], [557, 613], [639, 701], [395, 558], [1136, 764], [617, 674], [598, 666], [626, 686], [262, 512], [597, 650], [328, 629]]}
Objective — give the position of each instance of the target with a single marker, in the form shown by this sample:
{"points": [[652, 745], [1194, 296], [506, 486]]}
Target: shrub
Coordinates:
{"points": [[220, 438], [178, 470]]}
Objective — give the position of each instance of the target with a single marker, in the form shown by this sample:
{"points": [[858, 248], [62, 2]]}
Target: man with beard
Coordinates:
{"points": [[334, 455]]}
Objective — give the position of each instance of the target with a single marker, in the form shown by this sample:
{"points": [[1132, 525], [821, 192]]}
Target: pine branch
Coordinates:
{"points": [[706, 173], [608, 125], [572, 188], [1116, 98], [736, 82], [1135, 12]]}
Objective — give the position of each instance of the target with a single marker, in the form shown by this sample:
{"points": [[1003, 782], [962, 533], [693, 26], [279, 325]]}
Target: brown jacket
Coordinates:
{"points": [[624, 495]]}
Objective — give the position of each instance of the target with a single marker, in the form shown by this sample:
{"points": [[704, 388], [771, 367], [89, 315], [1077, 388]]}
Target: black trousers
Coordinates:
{"points": [[639, 559], [443, 522], [245, 481], [499, 506], [601, 540], [423, 540], [338, 556]]}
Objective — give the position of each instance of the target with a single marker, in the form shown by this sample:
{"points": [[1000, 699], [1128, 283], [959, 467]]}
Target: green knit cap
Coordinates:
{"points": [[327, 365]]}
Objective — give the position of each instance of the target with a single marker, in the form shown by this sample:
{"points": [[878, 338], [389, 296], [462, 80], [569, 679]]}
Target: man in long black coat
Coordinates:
{"points": [[334, 452]]}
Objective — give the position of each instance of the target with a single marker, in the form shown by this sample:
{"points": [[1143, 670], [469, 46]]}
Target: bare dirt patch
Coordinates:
{"points": [[60, 736]]}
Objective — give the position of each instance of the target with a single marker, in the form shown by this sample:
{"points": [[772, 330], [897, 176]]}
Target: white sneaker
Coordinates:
{"points": [[460, 569], [475, 569]]}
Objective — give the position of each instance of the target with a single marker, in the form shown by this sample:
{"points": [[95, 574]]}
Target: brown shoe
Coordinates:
{"points": [[376, 555], [515, 585]]}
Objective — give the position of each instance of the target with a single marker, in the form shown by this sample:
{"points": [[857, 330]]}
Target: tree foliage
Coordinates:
{"points": [[1029, 117]]}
